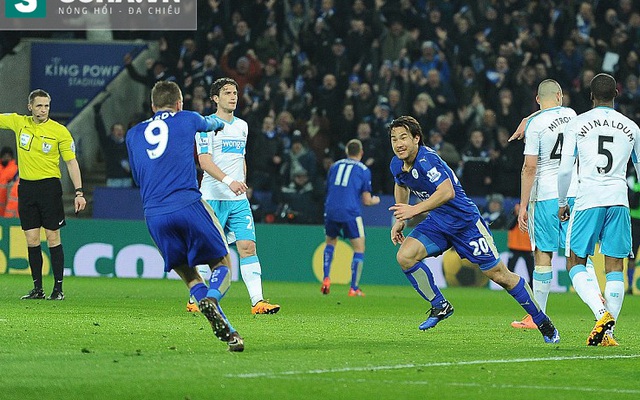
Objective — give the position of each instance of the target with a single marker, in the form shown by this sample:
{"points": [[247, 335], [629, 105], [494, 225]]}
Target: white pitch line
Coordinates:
{"points": [[468, 384], [426, 365]]}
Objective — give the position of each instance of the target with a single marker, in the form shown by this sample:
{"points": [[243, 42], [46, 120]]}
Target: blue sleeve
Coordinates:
{"points": [[366, 187], [213, 123], [435, 172]]}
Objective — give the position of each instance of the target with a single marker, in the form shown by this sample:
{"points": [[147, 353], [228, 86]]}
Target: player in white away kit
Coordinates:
{"points": [[603, 140], [221, 156], [539, 194]]}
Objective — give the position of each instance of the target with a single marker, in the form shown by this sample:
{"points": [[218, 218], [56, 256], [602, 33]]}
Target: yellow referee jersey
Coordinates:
{"points": [[39, 145]]}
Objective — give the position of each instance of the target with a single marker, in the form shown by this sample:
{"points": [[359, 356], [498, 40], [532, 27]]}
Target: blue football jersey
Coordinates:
{"points": [[161, 155], [346, 182], [428, 172]]}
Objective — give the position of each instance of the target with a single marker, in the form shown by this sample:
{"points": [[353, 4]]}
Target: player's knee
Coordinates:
{"points": [[33, 242], [331, 241], [33, 237], [53, 237], [246, 248], [358, 245], [405, 260], [502, 276]]}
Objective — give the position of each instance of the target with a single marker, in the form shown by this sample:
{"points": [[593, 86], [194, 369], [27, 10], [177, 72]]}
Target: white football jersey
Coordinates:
{"points": [[603, 140], [543, 138], [228, 148]]}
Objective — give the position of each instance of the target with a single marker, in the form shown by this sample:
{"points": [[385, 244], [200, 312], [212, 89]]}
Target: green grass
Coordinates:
{"points": [[133, 339]]}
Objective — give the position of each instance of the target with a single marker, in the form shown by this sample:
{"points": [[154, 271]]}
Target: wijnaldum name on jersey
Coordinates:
{"points": [[605, 123]]}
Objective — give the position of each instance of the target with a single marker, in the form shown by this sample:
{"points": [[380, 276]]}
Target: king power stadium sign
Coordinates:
{"points": [[127, 15]]}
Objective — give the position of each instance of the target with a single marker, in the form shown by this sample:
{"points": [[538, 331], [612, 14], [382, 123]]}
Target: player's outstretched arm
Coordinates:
{"points": [[213, 124], [519, 133], [10, 121]]}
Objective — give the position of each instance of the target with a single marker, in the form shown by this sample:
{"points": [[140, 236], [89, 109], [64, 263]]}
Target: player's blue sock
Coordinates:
{"points": [[326, 259], [421, 278], [356, 269], [199, 291], [219, 282], [522, 293]]}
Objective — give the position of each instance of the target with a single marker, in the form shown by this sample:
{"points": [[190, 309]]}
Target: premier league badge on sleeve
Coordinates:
{"points": [[433, 175]]}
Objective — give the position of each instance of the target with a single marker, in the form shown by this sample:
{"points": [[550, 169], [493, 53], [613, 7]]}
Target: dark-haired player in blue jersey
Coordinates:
{"points": [[453, 220], [348, 185], [181, 224]]}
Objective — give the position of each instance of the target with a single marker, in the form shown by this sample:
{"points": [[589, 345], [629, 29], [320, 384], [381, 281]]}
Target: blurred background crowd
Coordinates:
{"points": [[314, 74]]}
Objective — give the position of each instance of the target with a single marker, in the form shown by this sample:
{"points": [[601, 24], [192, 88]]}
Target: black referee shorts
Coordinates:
{"points": [[40, 204]]}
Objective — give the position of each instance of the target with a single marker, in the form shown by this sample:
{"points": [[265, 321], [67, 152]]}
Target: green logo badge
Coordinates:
{"points": [[25, 9]]}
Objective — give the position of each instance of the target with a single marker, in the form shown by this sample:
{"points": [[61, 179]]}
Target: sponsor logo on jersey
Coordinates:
{"points": [[421, 195], [233, 146]]}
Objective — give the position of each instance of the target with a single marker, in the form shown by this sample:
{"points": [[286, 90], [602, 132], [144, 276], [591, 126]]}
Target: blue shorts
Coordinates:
{"points": [[546, 231], [189, 236], [611, 226], [351, 229], [472, 241], [235, 218]]}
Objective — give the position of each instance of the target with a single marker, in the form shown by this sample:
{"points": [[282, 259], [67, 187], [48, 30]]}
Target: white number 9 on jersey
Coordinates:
{"points": [[156, 133]]}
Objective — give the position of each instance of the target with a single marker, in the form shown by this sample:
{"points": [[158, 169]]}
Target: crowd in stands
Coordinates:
{"points": [[314, 74]]}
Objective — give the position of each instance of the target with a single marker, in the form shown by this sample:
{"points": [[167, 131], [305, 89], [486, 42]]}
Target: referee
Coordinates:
{"points": [[40, 142]]}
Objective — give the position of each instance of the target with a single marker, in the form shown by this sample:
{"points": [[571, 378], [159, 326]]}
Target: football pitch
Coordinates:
{"points": [[133, 339]]}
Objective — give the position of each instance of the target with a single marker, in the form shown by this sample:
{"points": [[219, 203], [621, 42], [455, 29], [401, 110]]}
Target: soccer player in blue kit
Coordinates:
{"points": [[348, 185], [181, 224], [453, 220]]}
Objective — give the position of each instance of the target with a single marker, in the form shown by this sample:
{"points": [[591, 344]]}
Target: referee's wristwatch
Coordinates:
{"points": [[79, 192]]}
